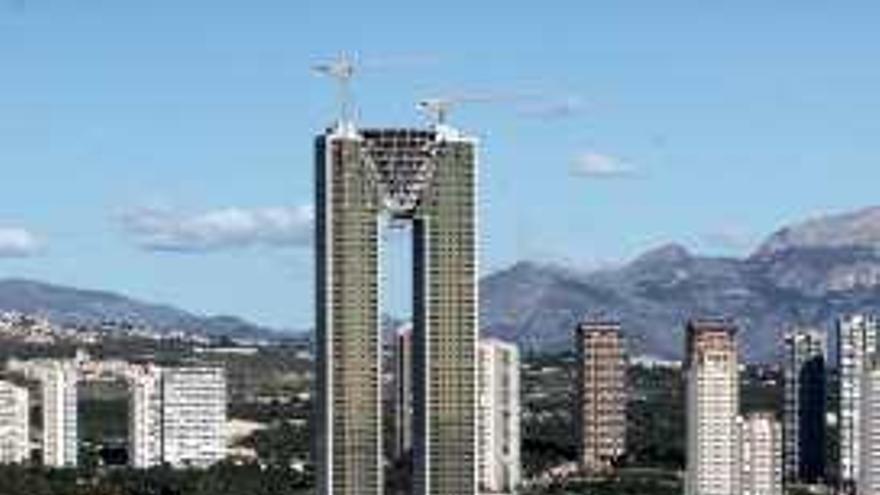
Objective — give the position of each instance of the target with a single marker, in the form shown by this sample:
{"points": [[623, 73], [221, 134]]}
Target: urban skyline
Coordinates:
{"points": [[440, 198], [733, 448]]}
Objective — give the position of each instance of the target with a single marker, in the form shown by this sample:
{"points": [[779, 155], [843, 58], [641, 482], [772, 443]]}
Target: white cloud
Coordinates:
{"points": [[17, 243], [594, 164], [162, 229]]}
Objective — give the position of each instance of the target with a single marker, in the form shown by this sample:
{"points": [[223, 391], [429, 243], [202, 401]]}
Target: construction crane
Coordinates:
{"points": [[342, 70], [438, 108]]}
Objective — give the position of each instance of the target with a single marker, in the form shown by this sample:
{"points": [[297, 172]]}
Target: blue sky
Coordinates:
{"points": [[163, 148]]}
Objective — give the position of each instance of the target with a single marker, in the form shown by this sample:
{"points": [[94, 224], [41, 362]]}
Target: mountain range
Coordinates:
{"points": [[73, 307], [807, 274]]}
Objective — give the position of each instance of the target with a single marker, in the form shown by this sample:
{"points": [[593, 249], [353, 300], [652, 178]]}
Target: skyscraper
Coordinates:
{"points": [[498, 418], [760, 454], [600, 410], [58, 394], [58, 380], [804, 406], [145, 416], [857, 342], [712, 381], [869, 429], [427, 177], [403, 391], [14, 423], [193, 416]]}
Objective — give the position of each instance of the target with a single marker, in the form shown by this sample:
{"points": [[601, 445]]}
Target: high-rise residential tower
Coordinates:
{"points": [[804, 406], [759, 436], [145, 416], [176, 415], [14, 423], [403, 391], [712, 394], [59, 383], [600, 410], [857, 337], [499, 417], [426, 177], [869, 429], [193, 416]]}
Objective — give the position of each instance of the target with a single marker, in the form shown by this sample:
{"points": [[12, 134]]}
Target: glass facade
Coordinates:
{"points": [[427, 177], [805, 406]]}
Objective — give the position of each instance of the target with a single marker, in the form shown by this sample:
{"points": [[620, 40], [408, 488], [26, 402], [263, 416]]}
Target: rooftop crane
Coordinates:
{"points": [[342, 70], [438, 108]]}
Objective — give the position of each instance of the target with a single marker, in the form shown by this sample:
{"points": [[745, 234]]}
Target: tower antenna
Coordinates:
{"points": [[342, 70]]}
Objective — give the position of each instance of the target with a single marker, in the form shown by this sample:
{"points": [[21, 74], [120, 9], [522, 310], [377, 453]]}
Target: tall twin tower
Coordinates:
{"points": [[363, 178]]}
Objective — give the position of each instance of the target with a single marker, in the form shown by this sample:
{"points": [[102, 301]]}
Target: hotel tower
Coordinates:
{"points": [[364, 179], [712, 381], [600, 415], [805, 405], [857, 338]]}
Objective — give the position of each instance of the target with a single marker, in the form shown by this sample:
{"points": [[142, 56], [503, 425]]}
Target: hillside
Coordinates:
{"points": [[804, 274], [72, 306]]}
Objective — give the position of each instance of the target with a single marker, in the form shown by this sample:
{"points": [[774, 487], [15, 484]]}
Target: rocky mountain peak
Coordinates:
{"points": [[810, 272], [860, 228], [665, 254]]}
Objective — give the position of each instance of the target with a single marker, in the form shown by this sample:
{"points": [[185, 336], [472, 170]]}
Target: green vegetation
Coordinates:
{"points": [[103, 432], [627, 482], [655, 416], [280, 444], [224, 479], [655, 426], [548, 398], [100, 420], [655, 419]]}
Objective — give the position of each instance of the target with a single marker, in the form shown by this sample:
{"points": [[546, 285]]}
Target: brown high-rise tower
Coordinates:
{"points": [[601, 395]]}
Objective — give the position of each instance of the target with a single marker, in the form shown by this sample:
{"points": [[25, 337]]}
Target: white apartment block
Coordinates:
{"points": [[857, 337], [869, 451], [498, 417], [711, 375], [760, 454], [145, 416], [59, 384], [176, 415], [193, 416], [14, 423]]}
